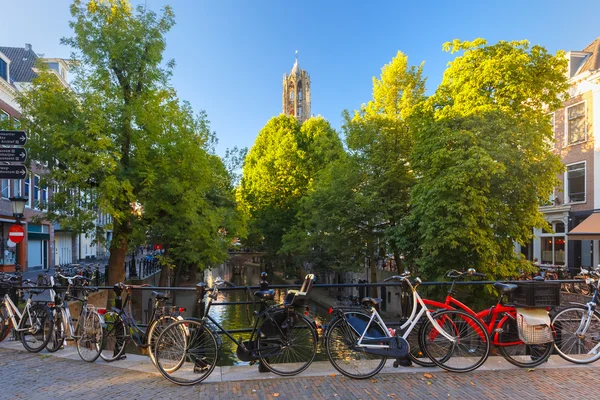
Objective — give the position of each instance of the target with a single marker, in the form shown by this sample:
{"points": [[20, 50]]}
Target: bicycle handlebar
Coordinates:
{"points": [[398, 277], [454, 274]]}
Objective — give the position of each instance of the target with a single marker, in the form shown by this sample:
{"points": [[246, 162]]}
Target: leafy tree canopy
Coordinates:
{"points": [[483, 155]]}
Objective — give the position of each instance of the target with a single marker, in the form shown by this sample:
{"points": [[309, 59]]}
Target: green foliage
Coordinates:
{"points": [[362, 199], [119, 140], [278, 171], [484, 156]]}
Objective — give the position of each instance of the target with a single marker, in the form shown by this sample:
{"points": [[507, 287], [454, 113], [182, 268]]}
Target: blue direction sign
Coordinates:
{"points": [[15, 154], [13, 172], [13, 138]]}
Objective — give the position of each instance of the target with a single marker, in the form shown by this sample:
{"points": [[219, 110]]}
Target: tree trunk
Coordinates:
{"points": [[372, 266], [399, 265], [118, 253]]}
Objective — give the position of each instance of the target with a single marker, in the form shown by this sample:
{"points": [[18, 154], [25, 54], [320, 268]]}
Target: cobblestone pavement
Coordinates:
{"points": [[35, 376]]}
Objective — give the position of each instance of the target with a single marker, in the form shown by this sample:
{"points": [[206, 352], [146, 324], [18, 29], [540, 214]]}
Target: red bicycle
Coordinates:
{"points": [[499, 321]]}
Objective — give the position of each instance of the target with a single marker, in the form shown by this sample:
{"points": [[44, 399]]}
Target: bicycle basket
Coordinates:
{"points": [[534, 326]]}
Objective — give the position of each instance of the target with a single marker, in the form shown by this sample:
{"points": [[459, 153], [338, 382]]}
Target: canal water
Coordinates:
{"points": [[237, 316]]}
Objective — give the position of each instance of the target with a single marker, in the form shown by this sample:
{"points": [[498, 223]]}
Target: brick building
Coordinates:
{"points": [[44, 244], [579, 194]]}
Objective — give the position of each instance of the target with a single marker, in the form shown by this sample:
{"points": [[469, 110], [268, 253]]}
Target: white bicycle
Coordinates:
{"points": [[358, 342]]}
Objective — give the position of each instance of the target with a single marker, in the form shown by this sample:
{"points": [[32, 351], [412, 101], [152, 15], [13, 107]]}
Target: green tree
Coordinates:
{"points": [[277, 172], [104, 137], [483, 155], [362, 201]]}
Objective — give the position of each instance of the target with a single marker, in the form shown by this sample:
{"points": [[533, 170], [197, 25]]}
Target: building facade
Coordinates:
{"points": [[45, 244], [296, 93], [579, 192]]}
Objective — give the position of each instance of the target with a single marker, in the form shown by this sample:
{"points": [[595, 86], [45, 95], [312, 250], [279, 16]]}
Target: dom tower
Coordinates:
{"points": [[296, 93]]}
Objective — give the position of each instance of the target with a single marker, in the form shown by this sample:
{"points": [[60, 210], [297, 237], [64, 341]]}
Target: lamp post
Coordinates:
{"points": [[18, 205]]}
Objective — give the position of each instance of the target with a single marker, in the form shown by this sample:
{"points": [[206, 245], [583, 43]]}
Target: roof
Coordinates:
{"points": [[296, 68], [22, 62], [592, 62]]}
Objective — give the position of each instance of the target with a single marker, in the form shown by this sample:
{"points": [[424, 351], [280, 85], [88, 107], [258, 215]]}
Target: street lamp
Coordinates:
{"points": [[18, 205]]}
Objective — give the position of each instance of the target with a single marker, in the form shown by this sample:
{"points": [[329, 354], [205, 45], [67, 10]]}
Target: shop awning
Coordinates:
{"points": [[589, 229]]}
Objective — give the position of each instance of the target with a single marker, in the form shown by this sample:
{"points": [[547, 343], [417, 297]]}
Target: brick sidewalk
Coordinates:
{"points": [[39, 376]]}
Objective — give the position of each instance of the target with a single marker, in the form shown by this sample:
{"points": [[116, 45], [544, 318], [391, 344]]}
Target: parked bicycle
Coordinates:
{"points": [[283, 339], [87, 330], [500, 322], [577, 327], [358, 342], [34, 325], [122, 327]]}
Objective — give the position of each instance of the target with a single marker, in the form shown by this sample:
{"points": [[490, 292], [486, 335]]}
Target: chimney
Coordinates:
{"points": [[27, 47]]}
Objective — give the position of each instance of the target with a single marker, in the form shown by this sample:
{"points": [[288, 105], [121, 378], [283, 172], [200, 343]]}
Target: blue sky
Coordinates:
{"points": [[231, 55]]}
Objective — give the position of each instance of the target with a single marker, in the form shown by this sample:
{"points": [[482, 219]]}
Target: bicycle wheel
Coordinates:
{"points": [[469, 347], [287, 342], [186, 352], [37, 325], [115, 337], [570, 342], [58, 333], [340, 342], [416, 353], [512, 348], [90, 337], [5, 323], [154, 331]]}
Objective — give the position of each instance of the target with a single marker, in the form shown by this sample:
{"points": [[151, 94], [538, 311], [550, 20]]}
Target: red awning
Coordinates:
{"points": [[589, 229]]}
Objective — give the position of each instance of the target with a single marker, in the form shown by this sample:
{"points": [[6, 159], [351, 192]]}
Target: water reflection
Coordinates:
{"points": [[231, 317]]}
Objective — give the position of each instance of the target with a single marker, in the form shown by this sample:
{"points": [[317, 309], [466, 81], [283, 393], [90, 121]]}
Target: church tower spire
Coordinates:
{"points": [[296, 93]]}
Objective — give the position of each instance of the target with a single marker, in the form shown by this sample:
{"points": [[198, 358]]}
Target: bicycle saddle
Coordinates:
{"points": [[370, 301], [505, 287], [265, 294], [160, 296]]}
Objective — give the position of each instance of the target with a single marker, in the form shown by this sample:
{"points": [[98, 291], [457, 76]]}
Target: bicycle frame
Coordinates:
{"points": [[205, 306], [586, 319], [492, 312], [14, 312], [407, 327]]}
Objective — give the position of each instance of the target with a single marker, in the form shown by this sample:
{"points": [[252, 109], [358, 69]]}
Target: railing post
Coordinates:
{"points": [[200, 292], [97, 274]]}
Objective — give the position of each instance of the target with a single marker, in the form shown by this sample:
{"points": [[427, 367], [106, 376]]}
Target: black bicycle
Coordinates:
{"points": [[121, 326], [283, 339]]}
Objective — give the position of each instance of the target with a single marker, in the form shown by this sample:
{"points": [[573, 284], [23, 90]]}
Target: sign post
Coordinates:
{"points": [[15, 155]]}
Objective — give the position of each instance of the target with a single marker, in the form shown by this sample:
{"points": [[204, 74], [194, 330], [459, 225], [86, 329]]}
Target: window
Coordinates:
{"points": [[576, 182], [300, 94], [5, 188], [553, 245], [300, 111], [26, 190], [4, 115], [37, 191], [292, 95], [17, 123], [576, 123], [44, 197], [3, 70], [16, 187]]}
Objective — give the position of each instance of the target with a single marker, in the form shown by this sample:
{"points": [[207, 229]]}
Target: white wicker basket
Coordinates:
{"points": [[533, 334]]}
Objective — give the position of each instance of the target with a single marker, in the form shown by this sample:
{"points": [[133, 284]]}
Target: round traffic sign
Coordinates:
{"points": [[16, 233]]}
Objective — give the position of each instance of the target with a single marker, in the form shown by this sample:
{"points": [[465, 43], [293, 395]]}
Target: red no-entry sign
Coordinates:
{"points": [[16, 233]]}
